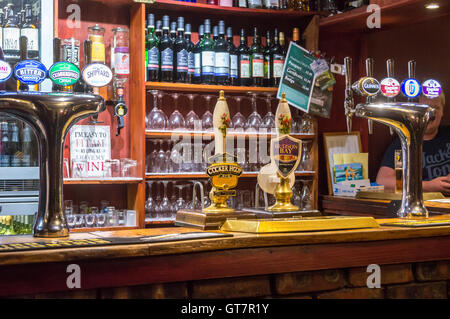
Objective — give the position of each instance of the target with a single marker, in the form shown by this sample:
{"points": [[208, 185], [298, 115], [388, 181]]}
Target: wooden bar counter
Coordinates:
{"points": [[415, 263]]}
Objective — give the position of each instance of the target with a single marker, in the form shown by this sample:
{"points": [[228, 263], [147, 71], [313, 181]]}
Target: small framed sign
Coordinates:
{"points": [[298, 78]]}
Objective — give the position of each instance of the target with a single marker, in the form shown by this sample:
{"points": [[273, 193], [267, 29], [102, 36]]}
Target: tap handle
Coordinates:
{"points": [[348, 103], [390, 67], [369, 67], [348, 72], [412, 69]]}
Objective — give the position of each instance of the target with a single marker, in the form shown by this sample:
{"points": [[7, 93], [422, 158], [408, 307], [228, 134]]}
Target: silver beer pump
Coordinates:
{"points": [[409, 120], [51, 115]]}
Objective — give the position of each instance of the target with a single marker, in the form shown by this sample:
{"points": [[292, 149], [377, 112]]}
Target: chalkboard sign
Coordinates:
{"points": [[298, 79]]}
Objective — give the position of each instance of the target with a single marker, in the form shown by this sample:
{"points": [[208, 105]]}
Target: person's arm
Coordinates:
{"points": [[386, 177]]}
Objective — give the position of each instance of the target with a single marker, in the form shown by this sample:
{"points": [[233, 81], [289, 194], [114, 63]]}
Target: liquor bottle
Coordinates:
{"points": [[5, 159], [14, 145], [208, 55], [257, 60], [244, 61], [29, 147], [254, 4], [190, 50], [166, 52], [198, 56], [181, 62], [271, 4], [296, 37], [158, 29], [215, 33], [234, 79], [222, 57], [277, 62], [11, 35], [173, 31], [32, 33], [152, 51], [268, 61], [283, 44]]}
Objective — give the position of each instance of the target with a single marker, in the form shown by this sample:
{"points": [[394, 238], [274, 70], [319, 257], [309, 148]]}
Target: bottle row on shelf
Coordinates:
{"points": [[171, 56], [300, 5], [191, 157], [18, 147], [158, 120], [163, 201], [16, 224]]}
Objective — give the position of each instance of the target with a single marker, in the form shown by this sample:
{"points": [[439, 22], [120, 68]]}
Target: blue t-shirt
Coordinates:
{"points": [[435, 155]]}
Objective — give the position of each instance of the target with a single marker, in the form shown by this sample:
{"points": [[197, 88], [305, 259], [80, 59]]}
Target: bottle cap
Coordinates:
{"points": [[242, 33], [158, 25], [151, 19], [165, 22], [173, 27], [229, 33], [180, 24], [188, 28], [221, 27], [215, 31], [201, 30]]}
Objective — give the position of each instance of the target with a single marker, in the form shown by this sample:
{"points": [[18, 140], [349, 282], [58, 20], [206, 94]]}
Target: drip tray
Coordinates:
{"points": [[298, 224]]}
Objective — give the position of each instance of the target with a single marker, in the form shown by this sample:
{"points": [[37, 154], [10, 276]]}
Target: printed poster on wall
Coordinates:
{"points": [[298, 78], [90, 147]]}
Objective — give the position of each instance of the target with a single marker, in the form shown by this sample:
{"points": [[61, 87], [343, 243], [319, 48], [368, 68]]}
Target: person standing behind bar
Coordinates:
{"points": [[435, 154]]}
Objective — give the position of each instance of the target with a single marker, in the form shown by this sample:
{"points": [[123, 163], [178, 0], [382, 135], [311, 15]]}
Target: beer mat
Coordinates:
{"points": [[93, 242], [419, 223]]}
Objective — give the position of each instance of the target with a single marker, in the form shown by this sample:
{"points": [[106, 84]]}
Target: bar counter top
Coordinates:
{"points": [[243, 254]]}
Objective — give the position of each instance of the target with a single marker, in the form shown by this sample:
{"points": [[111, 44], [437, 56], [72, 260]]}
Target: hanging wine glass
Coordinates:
{"points": [[168, 156], [157, 210], [191, 117], [254, 120], [176, 119], [153, 158], [157, 119], [165, 203], [296, 198], [268, 122], [306, 195], [296, 121], [180, 204], [188, 203], [175, 158], [161, 159], [207, 118], [306, 160], [173, 202], [238, 120], [149, 202]]}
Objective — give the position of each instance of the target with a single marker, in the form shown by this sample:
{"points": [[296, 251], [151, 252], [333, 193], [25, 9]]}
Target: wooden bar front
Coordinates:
{"points": [[326, 264]]}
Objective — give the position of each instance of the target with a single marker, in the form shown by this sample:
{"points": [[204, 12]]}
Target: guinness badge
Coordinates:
{"points": [[285, 153], [411, 88], [367, 86]]}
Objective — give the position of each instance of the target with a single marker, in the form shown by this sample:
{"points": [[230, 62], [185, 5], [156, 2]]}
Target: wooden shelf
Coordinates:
{"points": [[168, 134], [396, 14], [160, 222], [105, 181], [164, 176], [175, 7], [88, 230], [186, 87]]}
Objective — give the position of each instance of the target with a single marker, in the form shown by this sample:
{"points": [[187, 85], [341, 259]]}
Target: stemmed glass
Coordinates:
{"points": [[169, 166], [156, 119], [153, 158], [165, 203], [306, 160], [306, 195], [157, 213], [191, 117], [175, 158], [180, 203], [254, 120], [149, 204], [296, 198], [307, 126], [207, 118], [238, 120], [161, 160], [207, 200], [176, 119], [296, 122], [173, 202], [268, 122]]}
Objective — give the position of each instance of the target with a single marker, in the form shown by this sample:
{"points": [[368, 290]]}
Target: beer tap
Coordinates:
{"points": [[411, 74], [120, 108], [390, 74], [349, 105], [369, 98]]}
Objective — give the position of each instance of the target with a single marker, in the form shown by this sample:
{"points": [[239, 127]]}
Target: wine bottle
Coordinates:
{"points": [[11, 35], [5, 157], [268, 61], [14, 145], [30, 31], [198, 56], [296, 37], [208, 55], [234, 80], [182, 56], [244, 61], [29, 147], [278, 57], [190, 50], [152, 51], [257, 60], [221, 57], [158, 29], [283, 44], [166, 52]]}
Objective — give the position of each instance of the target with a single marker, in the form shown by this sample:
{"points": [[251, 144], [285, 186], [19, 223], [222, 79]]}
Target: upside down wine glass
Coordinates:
{"points": [[238, 120], [191, 117], [176, 119], [268, 122], [207, 118], [157, 119], [254, 120]]}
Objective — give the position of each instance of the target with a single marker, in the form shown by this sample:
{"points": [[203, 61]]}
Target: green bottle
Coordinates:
{"points": [[152, 51], [208, 54], [257, 60], [9, 228]]}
